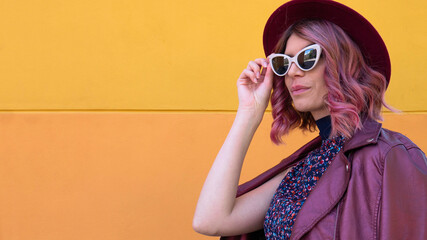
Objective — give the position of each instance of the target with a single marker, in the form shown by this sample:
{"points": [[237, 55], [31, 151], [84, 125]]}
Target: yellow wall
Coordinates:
{"points": [[112, 111], [110, 54]]}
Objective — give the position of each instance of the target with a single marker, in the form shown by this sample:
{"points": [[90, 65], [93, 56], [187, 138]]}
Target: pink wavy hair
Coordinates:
{"points": [[355, 90]]}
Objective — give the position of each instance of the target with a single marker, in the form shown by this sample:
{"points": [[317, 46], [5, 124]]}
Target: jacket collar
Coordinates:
{"points": [[367, 135], [334, 181]]}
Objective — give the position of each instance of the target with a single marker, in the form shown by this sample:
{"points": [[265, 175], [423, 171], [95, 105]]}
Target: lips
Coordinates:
{"points": [[298, 89]]}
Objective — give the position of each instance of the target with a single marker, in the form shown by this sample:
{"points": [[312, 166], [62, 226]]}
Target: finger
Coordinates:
{"points": [[262, 62], [249, 75], [264, 69], [268, 78], [252, 65]]}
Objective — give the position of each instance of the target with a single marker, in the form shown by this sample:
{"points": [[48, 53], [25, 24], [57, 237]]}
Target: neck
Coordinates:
{"points": [[325, 126]]}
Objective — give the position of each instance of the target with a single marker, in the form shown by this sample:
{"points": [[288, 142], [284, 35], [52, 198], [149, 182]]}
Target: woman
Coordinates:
{"points": [[329, 68]]}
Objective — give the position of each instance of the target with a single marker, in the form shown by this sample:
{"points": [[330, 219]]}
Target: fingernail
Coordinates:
{"points": [[264, 64], [257, 75]]}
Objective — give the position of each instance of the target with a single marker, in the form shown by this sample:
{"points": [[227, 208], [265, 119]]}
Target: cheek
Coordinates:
{"points": [[325, 90], [323, 87], [320, 80], [288, 83]]}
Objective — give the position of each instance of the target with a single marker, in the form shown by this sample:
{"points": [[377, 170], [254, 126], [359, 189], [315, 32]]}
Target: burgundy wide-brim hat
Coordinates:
{"points": [[355, 25]]}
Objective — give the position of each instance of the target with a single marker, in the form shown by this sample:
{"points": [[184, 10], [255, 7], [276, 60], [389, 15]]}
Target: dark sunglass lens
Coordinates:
{"points": [[307, 59], [280, 65]]}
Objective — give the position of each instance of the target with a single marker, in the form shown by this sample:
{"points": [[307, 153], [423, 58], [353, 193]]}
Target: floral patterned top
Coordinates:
{"points": [[295, 188]]}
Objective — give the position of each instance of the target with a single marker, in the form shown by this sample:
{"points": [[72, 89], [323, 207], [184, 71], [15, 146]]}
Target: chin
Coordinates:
{"points": [[302, 108], [310, 108]]}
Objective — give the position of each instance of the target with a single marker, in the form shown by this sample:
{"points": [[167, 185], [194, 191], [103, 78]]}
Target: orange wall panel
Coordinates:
{"points": [[123, 175]]}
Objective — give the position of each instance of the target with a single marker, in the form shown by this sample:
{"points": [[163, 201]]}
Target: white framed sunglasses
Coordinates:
{"points": [[306, 59]]}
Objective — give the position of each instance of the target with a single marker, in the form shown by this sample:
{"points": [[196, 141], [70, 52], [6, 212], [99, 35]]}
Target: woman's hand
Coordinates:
{"points": [[254, 88], [218, 212]]}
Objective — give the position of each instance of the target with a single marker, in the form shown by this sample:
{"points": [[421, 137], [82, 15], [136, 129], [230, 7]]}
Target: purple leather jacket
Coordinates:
{"points": [[376, 188]]}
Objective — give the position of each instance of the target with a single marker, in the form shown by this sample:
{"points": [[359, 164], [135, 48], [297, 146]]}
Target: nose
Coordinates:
{"points": [[295, 71]]}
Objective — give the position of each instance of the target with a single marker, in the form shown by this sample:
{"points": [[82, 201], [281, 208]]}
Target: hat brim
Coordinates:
{"points": [[355, 25]]}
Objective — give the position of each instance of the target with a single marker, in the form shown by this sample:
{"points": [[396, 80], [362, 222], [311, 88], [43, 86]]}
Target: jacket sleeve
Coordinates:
{"points": [[403, 203]]}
